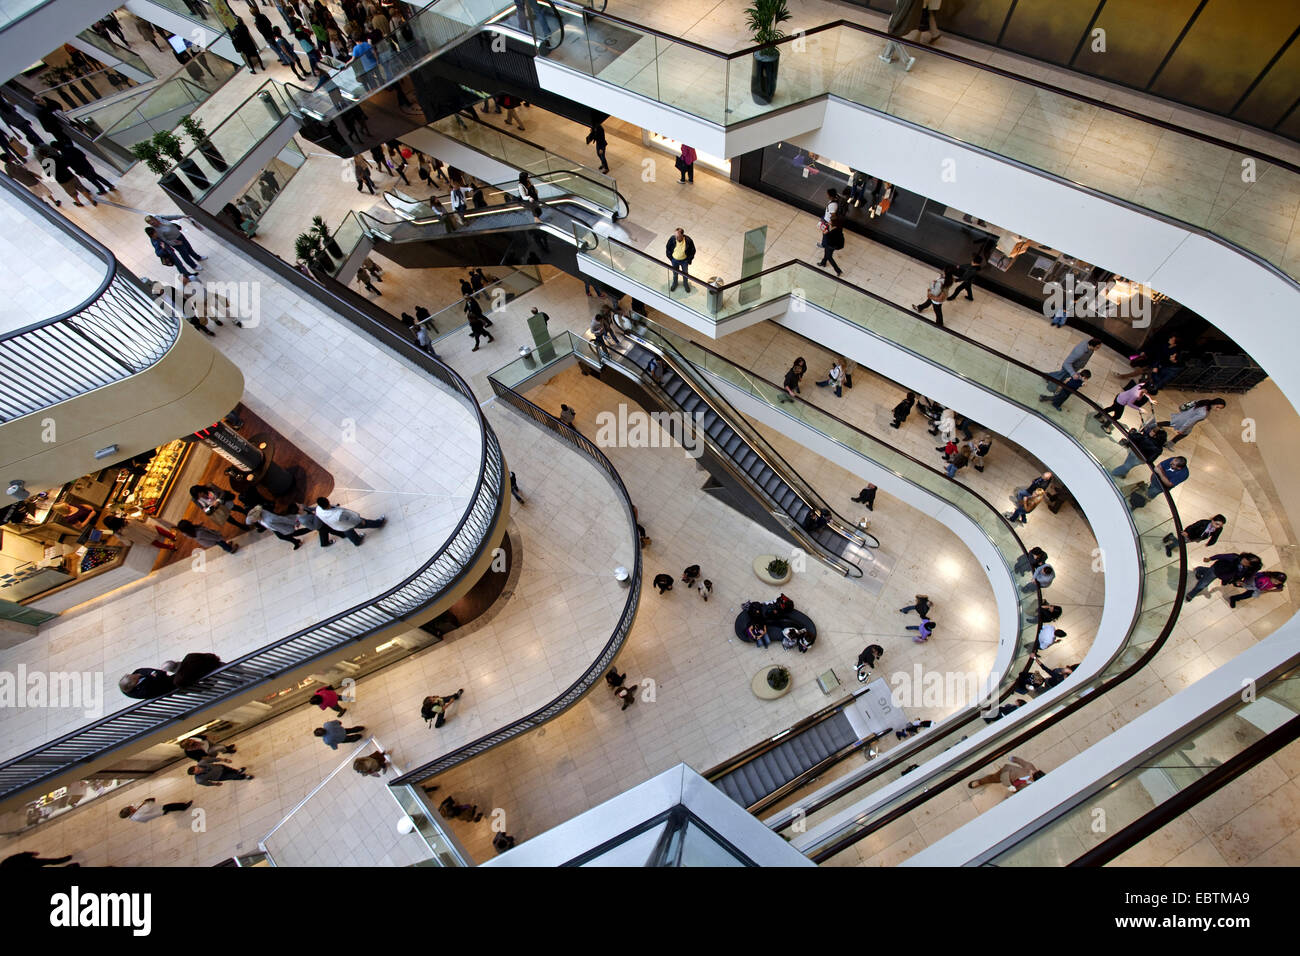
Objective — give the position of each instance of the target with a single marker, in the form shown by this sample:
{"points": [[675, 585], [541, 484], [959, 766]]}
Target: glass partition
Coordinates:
{"points": [[265, 186], [407, 46], [1246, 199], [1150, 511], [1156, 778], [115, 52], [236, 136]]}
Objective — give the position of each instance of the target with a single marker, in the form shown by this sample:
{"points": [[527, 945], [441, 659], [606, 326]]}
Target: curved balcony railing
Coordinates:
{"points": [[444, 569], [1200, 180], [117, 332], [1154, 790], [1163, 576], [605, 658]]}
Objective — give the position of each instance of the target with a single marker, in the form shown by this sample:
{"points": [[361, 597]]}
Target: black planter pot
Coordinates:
{"points": [[333, 248], [213, 156], [177, 185], [762, 78], [194, 173]]}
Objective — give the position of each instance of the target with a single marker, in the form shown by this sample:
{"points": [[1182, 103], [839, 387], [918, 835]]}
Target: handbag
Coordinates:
{"points": [[824, 225]]}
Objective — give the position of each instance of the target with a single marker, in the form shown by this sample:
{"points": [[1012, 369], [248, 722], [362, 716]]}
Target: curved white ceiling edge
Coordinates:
{"points": [[1229, 288]]}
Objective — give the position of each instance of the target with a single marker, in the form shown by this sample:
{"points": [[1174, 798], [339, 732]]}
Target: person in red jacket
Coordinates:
{"points": [[686, 164], [327, 697]]}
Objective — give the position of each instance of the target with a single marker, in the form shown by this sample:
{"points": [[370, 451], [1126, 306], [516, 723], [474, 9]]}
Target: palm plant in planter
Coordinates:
{"points": [[322, 231], [763, 20], [199, 137], [309, 250], [778, 567], [778, 678], [147, 152], [170, 145]]}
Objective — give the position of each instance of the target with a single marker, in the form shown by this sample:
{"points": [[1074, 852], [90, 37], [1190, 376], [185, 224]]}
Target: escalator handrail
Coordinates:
{"points": [[956, 58], [760, 446], [579, 170], [510, 188], [768, 744], [716, 404]]}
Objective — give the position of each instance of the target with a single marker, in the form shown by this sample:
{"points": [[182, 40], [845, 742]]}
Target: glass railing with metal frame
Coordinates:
{"points": [[535, 160], [418, 40], [1151, 510], [1157, 778], [114, 51], [1203, 181]]}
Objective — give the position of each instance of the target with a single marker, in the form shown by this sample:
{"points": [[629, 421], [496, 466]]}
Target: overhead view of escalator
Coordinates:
{"points": [[772, 481]]}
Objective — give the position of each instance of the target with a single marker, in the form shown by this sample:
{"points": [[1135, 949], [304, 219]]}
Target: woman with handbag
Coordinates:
{"points": [[937, 294], [832, 241]]}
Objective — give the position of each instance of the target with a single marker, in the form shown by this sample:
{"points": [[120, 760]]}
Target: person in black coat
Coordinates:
{"points": [[145, 683], [243, 42], [192, 668], [1206, 532], [80, 164], [47, 114], [596, 136], [903, 409], [680, 251], [832, 241]]}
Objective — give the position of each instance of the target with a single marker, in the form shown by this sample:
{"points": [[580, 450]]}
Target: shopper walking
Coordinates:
{"points": [[903, 409], [936, 295], [905, 19], [149, 808], [1031, 559], [57, 168], [1133, 396], [434, 707], [680, 251], [327, 698], [1063, 392], [285, 51], [80, 164], [596, 136], [792, 377], [212, 774], [1168, 475], [834, 379], [921, 606], [1015, 775], [372, 764], [205, 537], [1189, 417], [199, 747], [686, 164], [1261, 583], [1206, 531], [346, 521], [1026, 504], [21, 174], [832, 242], [867, 497], [966, 274], [361, 170], [1227, 569], [663, 582], [1144, 445], [363, 276], [169, 230], [284, 527], [1079, 357], [478, 328], [924, 630], [1043, 577], [244, 44]]}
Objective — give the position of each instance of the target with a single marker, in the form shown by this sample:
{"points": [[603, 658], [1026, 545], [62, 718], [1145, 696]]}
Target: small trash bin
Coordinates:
{"points": [[526, 354], [714, 293]]}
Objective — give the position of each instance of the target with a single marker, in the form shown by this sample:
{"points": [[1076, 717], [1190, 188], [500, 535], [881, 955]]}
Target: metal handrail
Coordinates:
{"points": [[444, 569], [802, 35], [763, 449], [597, 669]]}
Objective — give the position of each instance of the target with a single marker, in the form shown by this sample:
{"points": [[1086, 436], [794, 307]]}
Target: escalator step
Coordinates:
{"points": [[732, 444], [787, 499], [745, 459], [768, 777]]}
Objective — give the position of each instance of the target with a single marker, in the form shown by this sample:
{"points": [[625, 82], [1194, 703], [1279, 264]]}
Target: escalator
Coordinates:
{"points": [[785, 498], [770, 770]]}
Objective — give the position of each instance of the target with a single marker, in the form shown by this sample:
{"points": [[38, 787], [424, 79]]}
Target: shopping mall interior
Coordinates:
{"points": [[842, 432]]}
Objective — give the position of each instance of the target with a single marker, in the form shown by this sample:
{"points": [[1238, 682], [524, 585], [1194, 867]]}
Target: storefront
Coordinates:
{"points": [[55, 551], [1126, 314]]}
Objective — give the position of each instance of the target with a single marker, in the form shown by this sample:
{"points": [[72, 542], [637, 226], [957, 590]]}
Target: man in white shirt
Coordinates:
{"points": [[345, 521], [149, 810], [1048, 635]]}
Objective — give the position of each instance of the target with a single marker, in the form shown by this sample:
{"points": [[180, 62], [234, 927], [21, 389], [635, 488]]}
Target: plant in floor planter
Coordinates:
{"points": [[170, 146], [199, 137], [778, 567], [307, 249], [147, 152], [763, 20], [322, 231], [778, 678]]}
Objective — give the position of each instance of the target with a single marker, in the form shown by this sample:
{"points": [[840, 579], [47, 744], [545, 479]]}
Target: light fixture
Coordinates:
{"points": [[105, 452]]}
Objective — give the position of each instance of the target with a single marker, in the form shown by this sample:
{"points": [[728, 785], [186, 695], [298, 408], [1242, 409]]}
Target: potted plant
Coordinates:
{"points": [[322, 231], [146, 152], [309, 250], [778, 678], [763, 20], [778, 567], [170, 146], [199, 137]]}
